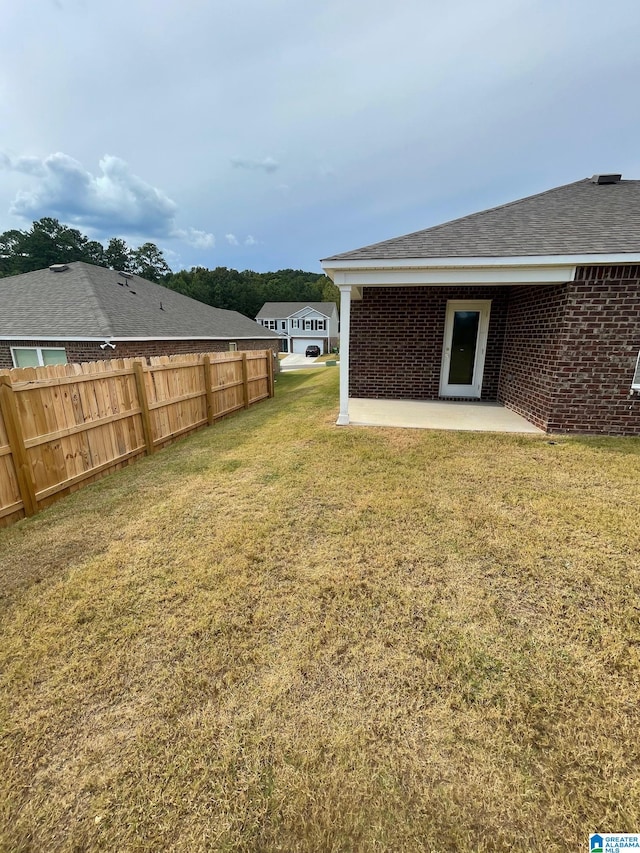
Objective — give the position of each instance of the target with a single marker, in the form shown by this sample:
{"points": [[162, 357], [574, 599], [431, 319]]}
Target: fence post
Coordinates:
{"points": [[206, 363], [138, 371], [245, 381], [269, 355], [13, 428]]}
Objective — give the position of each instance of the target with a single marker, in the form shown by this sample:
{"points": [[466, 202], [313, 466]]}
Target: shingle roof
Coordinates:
{"points": [[88, 301], [280, 310], [574, 219]]}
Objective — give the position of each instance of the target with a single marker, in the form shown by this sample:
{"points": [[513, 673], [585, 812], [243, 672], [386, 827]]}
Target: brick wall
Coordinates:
{"points": [[78, 351], [600, 348], [532, 350], [397, 336]]}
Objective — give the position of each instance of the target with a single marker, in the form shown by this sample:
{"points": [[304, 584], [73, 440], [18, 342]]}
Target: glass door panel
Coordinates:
{"points": [[464, 340], [464, 347]]}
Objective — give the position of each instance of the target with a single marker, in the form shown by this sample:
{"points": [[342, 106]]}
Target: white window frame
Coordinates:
{"points": [[233, 346], [635, 382], [39, 351]]}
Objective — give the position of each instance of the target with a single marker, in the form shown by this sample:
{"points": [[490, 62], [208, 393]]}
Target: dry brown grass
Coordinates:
{"points": [[285, 635]]}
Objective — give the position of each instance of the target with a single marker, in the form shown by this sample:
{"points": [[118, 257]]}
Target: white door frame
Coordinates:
{"points": [[475, 389]]}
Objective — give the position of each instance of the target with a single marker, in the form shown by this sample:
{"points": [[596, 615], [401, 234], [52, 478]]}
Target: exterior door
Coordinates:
{"points": [[465, 346]]}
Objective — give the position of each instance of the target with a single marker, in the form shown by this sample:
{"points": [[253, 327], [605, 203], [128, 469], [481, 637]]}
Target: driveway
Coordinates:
{"points": [[297, 361]]}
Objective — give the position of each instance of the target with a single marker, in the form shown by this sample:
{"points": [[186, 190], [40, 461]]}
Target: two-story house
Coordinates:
{"points": [[301, 324]]}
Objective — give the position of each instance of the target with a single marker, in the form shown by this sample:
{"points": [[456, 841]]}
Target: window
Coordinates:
{"points": [[295, 324], [321, 325], [635, 383], [283, 324], [233, 346], [37, 356], [308, 325]]}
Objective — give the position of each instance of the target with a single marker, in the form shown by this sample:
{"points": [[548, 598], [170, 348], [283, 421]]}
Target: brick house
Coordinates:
{"points": [[80, 312], [300, 324], [534, 304]]}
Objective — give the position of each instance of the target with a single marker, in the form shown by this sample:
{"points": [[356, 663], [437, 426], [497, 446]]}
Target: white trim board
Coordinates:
{"points": [[462, 275], [104, 338], [494, 261]]}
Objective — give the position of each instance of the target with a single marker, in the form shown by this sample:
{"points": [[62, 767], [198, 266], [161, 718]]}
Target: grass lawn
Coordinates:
{"points": [[285, 635]]}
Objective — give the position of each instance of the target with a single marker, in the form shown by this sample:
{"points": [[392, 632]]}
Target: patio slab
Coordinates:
{"points": [[438, 414]]}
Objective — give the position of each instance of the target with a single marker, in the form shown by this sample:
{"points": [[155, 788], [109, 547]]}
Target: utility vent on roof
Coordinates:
{"points": [[58, 267], [606, 179], [125, 274]]}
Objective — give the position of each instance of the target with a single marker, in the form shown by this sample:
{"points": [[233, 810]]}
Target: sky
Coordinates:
{"points": [[268, 134]]}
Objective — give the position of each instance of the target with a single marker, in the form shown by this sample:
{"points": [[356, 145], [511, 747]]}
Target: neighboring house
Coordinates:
{"points": [[535, 304], [300, 324], [80, 312]]}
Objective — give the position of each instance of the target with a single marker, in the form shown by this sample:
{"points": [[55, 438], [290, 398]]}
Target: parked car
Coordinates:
{"points": [[312, 351]]}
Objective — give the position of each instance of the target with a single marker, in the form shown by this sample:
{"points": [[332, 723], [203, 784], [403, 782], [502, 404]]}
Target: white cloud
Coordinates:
{"points": [[194, 237], [268, 164], [113, 201], [231, 239], [250, 241]]}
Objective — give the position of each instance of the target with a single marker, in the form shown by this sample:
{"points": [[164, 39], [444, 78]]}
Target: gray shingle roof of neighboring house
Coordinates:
{"points": [[280, 310], [584, 217], [87, 301]]}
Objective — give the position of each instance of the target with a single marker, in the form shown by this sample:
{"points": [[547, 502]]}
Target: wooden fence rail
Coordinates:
{"points": [[64, 426]]}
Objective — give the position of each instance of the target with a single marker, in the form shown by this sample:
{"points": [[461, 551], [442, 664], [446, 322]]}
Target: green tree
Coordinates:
{"points": [[247, 291], [148, 261], [330, 292], [95, 253], [11, 252], [49, 242], [117, 255]]}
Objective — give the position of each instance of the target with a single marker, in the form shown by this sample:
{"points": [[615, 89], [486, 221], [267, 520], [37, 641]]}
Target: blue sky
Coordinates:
{"points": [[265, 134]]}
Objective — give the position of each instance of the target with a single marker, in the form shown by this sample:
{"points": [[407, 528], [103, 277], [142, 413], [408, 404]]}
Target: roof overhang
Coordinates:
{"points": [[539, 269], [117, 339]]}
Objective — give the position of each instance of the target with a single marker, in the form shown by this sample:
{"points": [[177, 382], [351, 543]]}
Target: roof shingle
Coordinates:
{"points": [[89, 301], [579, 218]]}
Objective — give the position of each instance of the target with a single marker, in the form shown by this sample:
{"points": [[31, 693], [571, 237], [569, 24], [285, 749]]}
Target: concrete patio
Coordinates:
{"points": [[438, 414]]}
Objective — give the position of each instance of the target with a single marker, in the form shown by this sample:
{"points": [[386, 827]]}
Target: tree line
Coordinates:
{"points": [[50, 242], [247, 291]]}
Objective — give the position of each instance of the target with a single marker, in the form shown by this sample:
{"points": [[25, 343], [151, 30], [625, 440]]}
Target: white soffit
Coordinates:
{"points": [[462, 275], [552, 269]]}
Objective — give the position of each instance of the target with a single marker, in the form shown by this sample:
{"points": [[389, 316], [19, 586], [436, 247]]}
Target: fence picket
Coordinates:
{"points": [[63, 426]]}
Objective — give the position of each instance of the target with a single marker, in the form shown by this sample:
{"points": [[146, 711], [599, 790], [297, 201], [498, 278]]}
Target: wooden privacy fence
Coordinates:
{"points": [[63, 426]]}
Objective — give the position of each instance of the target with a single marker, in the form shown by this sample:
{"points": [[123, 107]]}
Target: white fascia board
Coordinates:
{"points": [[100, 339], [498, 261], [539, 269], [104, 338], [273, 337], [304, 312], [469, 275]]}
